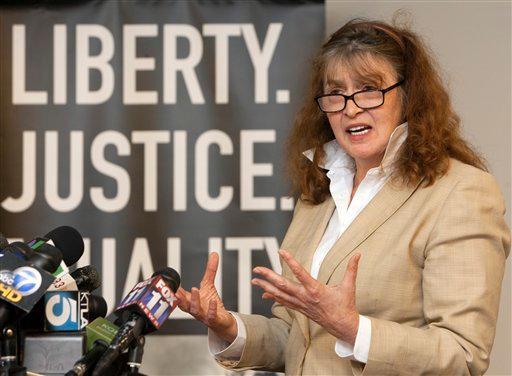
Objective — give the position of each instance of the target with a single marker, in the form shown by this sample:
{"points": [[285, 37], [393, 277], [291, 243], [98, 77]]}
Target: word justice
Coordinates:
{"points": [[212, 150]]}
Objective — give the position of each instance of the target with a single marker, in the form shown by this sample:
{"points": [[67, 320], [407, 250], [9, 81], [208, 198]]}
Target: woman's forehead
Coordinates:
{"points": [[358, 69]]}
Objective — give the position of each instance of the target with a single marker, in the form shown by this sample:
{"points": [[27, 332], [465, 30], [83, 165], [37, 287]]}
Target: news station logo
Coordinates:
{"points": [[20, 282], [66, 310], [154, 297]]}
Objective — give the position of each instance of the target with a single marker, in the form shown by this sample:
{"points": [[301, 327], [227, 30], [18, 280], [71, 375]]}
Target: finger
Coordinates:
{"points": [[195, 303], [183, 299], [279, 281], [266, 295], [287, 304], [211, 268], [182, 293], [211, 315], [349, 279], [288, 299], [302, 275]]}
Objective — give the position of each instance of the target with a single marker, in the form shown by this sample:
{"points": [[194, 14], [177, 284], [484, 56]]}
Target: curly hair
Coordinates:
{"points": [[433, 127]]}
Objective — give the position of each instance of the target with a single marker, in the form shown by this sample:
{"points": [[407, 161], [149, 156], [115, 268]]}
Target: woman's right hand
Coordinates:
{"points": [[205, 303]]}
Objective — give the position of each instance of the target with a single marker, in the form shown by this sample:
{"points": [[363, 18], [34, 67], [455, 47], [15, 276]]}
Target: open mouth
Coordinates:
{"points": [[360, 129]]}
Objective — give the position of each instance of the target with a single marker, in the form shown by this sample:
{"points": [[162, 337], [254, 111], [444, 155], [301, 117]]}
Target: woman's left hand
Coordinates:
{"points": [[332, 307]]}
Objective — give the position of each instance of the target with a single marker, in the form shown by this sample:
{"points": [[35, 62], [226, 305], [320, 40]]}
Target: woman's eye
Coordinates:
{"points": [[368, 88]]}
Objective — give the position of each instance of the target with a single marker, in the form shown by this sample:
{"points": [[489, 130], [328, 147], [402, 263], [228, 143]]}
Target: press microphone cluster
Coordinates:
{"points": [[50, 322]]}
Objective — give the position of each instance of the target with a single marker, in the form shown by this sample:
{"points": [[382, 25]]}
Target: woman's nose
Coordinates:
{"points": [[351, 109]]}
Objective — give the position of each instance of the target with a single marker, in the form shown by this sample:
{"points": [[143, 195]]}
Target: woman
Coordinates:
{"points": [[391, 193]]}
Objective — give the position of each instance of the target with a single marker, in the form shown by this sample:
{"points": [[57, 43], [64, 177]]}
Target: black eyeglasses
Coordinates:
{"points": [[364, 99]]}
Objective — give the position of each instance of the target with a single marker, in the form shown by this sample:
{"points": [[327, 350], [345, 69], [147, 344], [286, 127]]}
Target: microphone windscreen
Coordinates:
{"points": [[171, 276], [87, 278], [69, 241], [97, 307]]}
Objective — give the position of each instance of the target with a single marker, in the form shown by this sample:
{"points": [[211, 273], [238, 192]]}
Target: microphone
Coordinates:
{"points": [[100, 329], [23, 277], [146, 308], [99, 334], [71, 310], [21, 286], [85, 278], [47, 257], [68, 240], [90, 358], [23, 281]]}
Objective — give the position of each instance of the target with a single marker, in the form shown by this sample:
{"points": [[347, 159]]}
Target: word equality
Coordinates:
{"points": [[173, 65], [142, 266]]}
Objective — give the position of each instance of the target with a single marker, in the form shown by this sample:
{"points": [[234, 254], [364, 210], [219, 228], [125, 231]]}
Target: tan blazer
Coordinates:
{"points": [[429, 279]]}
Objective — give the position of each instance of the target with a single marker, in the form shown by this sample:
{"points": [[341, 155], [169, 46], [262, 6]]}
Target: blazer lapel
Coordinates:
{"points": [[378, 210], [317, 218]]}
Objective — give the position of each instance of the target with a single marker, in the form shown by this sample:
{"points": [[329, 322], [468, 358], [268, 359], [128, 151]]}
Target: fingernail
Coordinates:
{"points": [[256, 270]]}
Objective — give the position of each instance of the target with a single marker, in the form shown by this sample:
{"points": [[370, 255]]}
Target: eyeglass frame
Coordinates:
{"points": [[351, 97]]}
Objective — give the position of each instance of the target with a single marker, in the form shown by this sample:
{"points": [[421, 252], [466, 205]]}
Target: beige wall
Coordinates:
{"points": [[472, 41]]}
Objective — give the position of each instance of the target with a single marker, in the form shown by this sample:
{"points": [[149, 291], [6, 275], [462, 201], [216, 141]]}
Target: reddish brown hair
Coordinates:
{"points": [[433, 127]]}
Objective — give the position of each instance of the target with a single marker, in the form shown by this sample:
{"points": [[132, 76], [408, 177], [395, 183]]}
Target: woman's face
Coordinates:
{"points": [[367, 148]]}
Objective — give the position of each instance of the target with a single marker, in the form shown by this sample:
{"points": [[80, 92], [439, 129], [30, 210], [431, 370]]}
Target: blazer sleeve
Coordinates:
{"points": [[265, 343], [464, 262]]}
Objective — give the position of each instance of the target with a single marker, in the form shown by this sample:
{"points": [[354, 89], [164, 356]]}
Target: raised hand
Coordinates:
{"points": [[205, 304], [332, 307]]}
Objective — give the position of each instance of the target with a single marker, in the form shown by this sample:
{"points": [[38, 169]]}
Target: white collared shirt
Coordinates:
{"points": [[341, 172]]}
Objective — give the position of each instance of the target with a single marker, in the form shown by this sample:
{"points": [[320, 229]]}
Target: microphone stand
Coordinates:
{"points": [[135, 357], [9, 352]]}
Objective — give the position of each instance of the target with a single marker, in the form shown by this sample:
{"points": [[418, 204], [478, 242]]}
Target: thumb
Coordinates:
{"points": [[183, 299], [349, 279]]}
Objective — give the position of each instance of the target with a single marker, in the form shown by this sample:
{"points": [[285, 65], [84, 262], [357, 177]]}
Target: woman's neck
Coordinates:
{"points": [[362, 168]]}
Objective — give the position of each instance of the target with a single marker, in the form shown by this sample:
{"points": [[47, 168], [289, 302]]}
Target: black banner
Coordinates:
{"points": [[156, 129]]}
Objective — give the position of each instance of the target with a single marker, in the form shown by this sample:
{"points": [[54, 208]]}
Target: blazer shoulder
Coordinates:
{"points": [[463, 173], [463, 179]]}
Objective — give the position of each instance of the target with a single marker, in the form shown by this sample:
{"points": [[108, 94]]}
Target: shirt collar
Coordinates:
{"points": [[336, 157]]}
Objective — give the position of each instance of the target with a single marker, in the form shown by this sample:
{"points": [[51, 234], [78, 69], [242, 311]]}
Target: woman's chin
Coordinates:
{"points": [[366, 158]]}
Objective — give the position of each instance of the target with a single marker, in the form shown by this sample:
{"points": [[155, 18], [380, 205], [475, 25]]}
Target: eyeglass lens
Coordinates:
{"points": [[364, 99]]}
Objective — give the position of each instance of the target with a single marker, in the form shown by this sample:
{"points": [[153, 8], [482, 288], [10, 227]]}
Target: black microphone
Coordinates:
{"points": [[23, 279], [87, 278], [145, 309], [99, 334], [69, 241], [90, 358], [47, 257]]}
